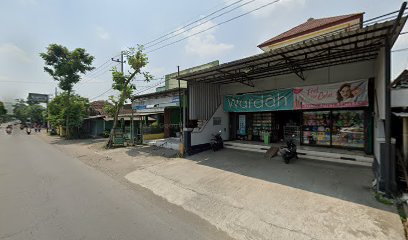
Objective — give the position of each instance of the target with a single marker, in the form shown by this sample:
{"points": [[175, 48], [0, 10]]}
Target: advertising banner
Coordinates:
{"points": [[336, 95], [267, 101], [38, 98]]}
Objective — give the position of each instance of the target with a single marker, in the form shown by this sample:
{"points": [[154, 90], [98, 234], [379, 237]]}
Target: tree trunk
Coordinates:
{"points": [[113, 130], [67, 134], [120, 104]]}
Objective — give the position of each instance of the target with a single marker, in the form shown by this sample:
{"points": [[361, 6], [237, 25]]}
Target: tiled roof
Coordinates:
{"points": [[310, 26], [401, 81], [96, 108], [126, 110]]}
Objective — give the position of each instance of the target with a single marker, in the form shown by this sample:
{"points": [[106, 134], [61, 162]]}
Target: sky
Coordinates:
{"points": [[106, 27]]}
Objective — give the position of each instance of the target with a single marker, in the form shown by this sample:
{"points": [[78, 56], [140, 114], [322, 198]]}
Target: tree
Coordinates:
{"points": [[23, 111], [137, 60], [20, 110], [76, 110], [65, 67], [36, 113], [3, 112]]}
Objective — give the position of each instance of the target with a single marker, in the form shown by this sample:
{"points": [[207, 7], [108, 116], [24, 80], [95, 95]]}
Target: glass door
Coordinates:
{"points": [[348, 128]]}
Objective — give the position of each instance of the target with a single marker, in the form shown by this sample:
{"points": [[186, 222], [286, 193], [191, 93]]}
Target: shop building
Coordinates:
{"points": [[166, 105], [326, 84]]}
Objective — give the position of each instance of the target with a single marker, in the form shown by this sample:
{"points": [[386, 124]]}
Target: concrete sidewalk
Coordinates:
{"points": [[250, 207], [249, 196]]}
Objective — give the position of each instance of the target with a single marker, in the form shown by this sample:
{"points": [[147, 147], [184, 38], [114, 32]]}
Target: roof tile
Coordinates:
{"points": [[309, 26]]}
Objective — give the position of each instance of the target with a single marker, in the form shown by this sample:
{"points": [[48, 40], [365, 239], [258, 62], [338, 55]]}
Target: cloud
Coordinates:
{"points": [[269, 9], [102, 33], [204, 44], [11, 51]]}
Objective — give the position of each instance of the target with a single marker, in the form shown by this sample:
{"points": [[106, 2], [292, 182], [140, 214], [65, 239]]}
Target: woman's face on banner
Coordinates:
{"points": [[345, 92]]}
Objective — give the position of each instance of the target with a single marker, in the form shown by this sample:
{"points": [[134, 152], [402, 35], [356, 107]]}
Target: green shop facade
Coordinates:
{"points": [[330, 115]]}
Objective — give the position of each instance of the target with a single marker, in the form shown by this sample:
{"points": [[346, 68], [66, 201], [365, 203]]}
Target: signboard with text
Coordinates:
{"points": [[38, 98], [336, 95], [268, 101]]}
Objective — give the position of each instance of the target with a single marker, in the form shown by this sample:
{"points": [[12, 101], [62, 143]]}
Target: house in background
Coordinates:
{"points": [[99, 123], [95, 125], [166, 106], [399, 103]]}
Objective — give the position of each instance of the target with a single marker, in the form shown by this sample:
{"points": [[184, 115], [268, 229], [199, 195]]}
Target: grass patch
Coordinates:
{"points": [[382, 199]]}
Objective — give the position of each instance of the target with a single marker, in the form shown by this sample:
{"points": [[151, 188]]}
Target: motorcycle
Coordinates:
{"points": [[289, 151], [9, 129], [216, 142], [28, 131]]}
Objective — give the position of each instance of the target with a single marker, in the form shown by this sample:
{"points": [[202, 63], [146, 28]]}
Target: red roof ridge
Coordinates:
{"points": [[309, 26]]}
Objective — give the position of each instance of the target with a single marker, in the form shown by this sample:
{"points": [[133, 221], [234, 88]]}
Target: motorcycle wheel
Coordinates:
{"points": [[286, 160]]}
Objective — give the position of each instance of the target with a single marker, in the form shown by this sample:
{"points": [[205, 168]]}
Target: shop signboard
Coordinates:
{"points": [[268, 101], [38, 98], [336, 95]]}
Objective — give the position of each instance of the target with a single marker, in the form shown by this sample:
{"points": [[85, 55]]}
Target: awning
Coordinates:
{"points": [[358, 45], [94, 117], [401, 114]]}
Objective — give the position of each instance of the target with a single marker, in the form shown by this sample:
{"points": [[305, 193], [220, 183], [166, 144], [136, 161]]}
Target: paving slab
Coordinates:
{"points": [[250, 205]]}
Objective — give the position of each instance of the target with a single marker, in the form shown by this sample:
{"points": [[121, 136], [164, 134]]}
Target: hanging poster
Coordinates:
{"points": [[268, 101], [336, 95]]}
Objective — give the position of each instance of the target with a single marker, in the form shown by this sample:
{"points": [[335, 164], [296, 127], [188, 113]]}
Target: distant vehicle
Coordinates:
{"points": [[9, 129]]}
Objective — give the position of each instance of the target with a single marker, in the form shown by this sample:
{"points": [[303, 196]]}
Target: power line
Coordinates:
{"points": [[101, 94], [34, 82], [400, 50], [226, 21], [200, 19], [148, 88], [96, 76], [100, 70], [202, 23], [93, 70]]}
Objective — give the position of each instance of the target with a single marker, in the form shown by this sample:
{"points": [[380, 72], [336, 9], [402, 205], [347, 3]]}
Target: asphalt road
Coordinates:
{"points": [[47, 195]]}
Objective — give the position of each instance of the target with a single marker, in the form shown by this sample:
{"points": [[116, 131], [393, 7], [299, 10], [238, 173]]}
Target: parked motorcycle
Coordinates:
{"points": [[289, 151], [28, 131], [9, 129], [216, 142]]}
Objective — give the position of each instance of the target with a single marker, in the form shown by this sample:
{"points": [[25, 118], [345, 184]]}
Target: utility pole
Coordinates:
{"points": [[179, 95], [120, 61], [131, 120]]}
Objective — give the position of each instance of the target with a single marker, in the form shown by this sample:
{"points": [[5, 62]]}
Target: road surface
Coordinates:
{"points": [[45, 194]]}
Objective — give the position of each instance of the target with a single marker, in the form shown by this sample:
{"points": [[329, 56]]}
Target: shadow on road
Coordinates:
{"points": [[346, 182]]}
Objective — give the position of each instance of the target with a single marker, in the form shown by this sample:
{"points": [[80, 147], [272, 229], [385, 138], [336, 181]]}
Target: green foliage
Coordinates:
{"points": [[35, 112], [76, 110], [3, 110], [110, 108], [19, 110], [137, 60], [383, 199], [65, 66]]}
